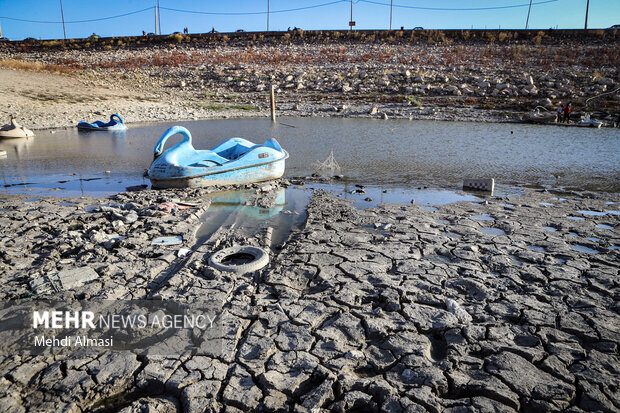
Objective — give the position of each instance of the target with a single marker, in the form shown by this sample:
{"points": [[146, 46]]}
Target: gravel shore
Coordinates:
{"points": [[186, 78], [498, 305]]}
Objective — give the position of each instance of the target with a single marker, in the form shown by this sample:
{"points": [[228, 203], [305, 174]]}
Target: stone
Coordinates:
{"points": [[480, 184], [241, 392], [528, 381]]}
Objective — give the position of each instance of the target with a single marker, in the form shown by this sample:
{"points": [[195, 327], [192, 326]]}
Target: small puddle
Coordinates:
{"points": [[614, 212], [429, 208], [250, 215], [592, 213], [67, 204], [442, 221], [604, 226], [32, 200], [546, 204], [583, 248], [592, 239], [390, 195], [483, 217], [451, 235], [576, 218], [536, 248], [549, 229], [614, 247], [507, 205], [492, 231]]}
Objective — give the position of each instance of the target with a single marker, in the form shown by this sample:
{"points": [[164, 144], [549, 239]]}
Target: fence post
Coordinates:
{"points": [[273, 103]]}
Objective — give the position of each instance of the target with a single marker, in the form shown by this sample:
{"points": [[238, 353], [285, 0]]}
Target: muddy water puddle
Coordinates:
{"points": [[394, 152], [248, 215]]}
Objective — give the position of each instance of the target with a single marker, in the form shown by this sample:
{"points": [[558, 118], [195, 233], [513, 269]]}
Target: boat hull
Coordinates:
{"points": [[16, 134], [89, 127], [244, 175]]}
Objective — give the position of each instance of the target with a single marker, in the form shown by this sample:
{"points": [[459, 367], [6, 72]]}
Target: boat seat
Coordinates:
{"points": [[205, 158]]}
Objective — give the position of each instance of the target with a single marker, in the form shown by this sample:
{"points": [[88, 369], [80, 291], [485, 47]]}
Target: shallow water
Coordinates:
{"points": [[552, 229], [492, 231], [583, 248], [287, 213], [399, 153], [592, 213], [483, 217]]}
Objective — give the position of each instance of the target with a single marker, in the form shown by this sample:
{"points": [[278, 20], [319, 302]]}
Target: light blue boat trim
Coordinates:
{"points": [[235, 160], [98, 125]]}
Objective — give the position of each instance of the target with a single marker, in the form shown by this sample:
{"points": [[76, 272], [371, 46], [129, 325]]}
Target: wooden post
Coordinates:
{"points": [[273, 103]]}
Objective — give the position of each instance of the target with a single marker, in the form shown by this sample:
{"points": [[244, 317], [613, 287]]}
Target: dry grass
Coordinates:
{"points": [[484, 56], [35, 66]]}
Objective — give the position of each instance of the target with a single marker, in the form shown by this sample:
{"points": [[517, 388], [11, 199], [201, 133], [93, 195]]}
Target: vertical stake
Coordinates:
{"points": [[62, 14], [527, 22], [158, 17], [273, 103]]}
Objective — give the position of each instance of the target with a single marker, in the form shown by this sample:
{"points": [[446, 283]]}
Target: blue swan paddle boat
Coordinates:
{"points": [[115, 123], [234, 161]]}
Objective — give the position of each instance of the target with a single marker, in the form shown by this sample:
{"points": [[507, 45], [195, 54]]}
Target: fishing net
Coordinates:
{"points": [[328, 164]]}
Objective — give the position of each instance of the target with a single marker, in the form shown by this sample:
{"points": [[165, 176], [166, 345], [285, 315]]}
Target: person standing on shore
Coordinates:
{"points": [[558, 116], [567, 111]]}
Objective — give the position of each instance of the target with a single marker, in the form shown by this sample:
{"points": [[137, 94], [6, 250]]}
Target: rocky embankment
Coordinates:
{"points": [[449, 80], [501, 305]]}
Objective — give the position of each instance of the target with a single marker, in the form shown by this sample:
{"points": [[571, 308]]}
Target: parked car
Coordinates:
{"points": [[615, 26], [418, 28]]}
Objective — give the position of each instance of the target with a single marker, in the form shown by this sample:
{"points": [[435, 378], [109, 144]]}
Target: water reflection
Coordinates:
{"points": [[250, 213], [16, 147], [395, 153]]}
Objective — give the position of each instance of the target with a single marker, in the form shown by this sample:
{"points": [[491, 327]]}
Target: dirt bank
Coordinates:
{"points": [[495, 77]]}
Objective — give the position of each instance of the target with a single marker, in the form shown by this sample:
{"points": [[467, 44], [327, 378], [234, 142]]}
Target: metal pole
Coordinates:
{"points": [[587, 7], [391, 1], [350, 24], [528, 15], [64, 33], [267, 15], [273, 103], [158, 17], [155, 19]]}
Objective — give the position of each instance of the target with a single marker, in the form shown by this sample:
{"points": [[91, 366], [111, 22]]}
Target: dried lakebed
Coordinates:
{"points": [[393, 308]]}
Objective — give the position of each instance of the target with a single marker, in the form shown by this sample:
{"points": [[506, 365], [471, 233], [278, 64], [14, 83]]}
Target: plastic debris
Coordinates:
{"points": [[458, 311], [168, 240], [183, 252], [63, 280], [328, 164], [170, 207]]}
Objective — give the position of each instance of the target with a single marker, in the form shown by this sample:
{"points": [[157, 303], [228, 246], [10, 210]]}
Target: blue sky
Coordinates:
{"points": [[324, 14]]}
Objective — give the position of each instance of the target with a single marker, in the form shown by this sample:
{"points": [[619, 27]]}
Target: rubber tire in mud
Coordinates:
{"points": [[261, 259]]}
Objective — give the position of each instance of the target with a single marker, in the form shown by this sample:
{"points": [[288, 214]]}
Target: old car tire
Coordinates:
{"points": [[261, 259]]}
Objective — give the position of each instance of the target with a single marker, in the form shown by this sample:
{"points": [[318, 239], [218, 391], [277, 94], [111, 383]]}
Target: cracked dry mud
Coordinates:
{"points": [[395, 308]]}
